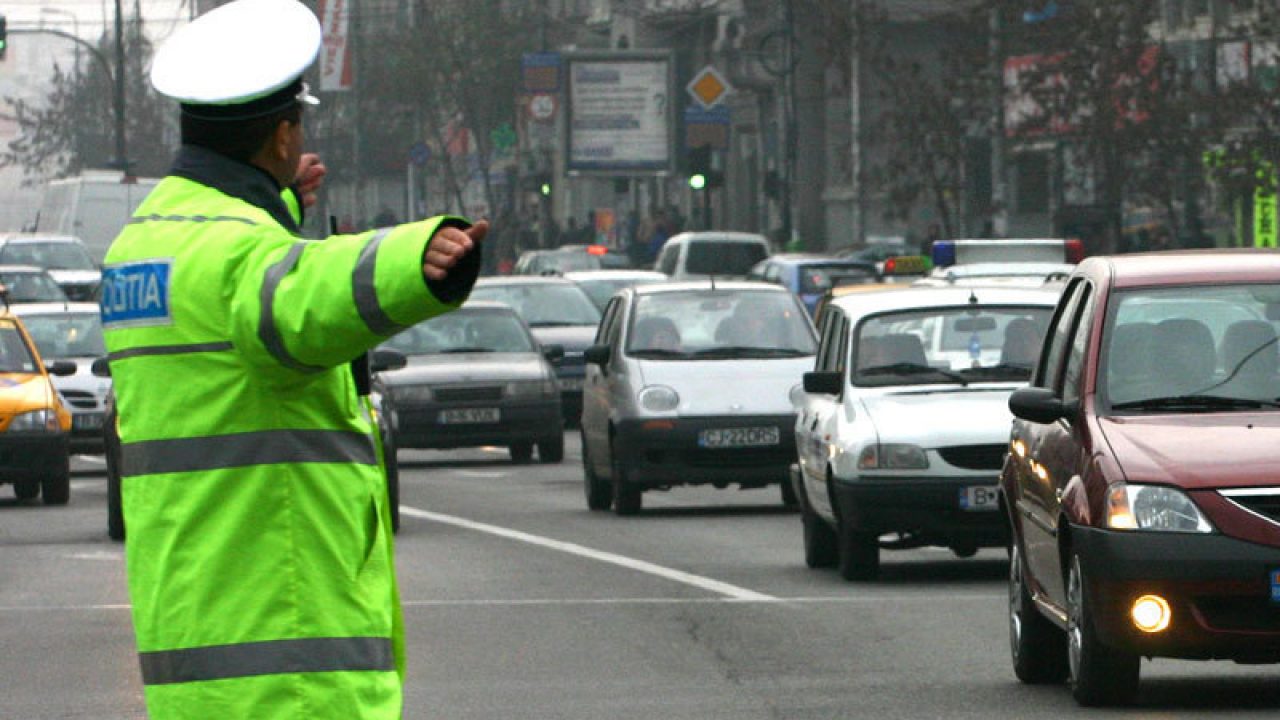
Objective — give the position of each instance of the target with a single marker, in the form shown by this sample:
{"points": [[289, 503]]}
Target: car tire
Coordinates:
{"points": [[820, 549], [859, 553], [521, 452], [26, 489], [1038, 647], [551, 449], [599, 494], [789, 498], [55, 489], [627, 498], [1099, 675]]}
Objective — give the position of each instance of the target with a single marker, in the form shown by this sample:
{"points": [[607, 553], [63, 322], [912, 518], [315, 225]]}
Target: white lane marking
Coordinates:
{"points": [[97, 555], [732, 591], [95, 459], [890, 599]]}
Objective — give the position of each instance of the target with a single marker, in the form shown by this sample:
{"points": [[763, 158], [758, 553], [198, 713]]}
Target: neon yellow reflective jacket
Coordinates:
{"points": [[260, 561]]}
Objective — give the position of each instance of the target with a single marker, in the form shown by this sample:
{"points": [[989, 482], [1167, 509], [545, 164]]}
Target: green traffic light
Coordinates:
{"points": [[697, 182], [545, 189]]}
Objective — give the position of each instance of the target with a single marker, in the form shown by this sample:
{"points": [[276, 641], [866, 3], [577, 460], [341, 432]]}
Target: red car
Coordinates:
{"points": [[1142, 483]]}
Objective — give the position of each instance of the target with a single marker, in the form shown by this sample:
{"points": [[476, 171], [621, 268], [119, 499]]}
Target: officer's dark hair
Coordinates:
{"points": [[236, 139]]}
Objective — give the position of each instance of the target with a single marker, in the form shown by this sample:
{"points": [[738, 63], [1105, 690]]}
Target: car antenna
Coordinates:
{"points": [[713, 281], [973, 297]]}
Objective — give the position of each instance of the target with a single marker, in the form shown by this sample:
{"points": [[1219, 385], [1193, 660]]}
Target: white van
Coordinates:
{"points": [[716, 253], [93, 206]]}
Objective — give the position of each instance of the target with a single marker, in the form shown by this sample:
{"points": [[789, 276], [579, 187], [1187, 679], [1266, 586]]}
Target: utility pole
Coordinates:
{"points": [[788, 119], [855, 129], [122, 156], [999, 180]]}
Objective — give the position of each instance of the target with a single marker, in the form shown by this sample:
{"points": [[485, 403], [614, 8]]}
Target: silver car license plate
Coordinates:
{"points": [[738, 437], [980, 497], [462, 416]]}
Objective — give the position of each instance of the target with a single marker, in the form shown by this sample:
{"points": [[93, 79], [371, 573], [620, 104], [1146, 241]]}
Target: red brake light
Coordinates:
{"points": [[597, 250], [1073, 248]]}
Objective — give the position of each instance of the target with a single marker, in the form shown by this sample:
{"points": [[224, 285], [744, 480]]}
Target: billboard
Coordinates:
{"points": [[619, 114]]}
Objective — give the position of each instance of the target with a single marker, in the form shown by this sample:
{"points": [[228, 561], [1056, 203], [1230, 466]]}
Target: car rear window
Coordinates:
{"points": [[723, 257], [462, 332], [720, 324]]}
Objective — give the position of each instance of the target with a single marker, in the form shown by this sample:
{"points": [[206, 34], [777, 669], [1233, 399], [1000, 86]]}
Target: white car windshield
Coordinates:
{"points": [[462, 332], [66, 335], [48, 255], [1188, 349], [713, 324], [543, 305], [949, 345]]}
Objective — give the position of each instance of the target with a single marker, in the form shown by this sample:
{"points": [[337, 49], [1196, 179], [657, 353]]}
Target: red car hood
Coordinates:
{"points": [[1197, 451]]}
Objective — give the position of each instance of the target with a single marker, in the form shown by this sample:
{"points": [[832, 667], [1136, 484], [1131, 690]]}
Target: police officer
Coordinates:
{"points": [[259, 557]]}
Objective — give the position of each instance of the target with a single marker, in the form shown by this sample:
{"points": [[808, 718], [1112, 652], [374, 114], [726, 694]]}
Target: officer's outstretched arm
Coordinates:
{"points": [[309, 306]]}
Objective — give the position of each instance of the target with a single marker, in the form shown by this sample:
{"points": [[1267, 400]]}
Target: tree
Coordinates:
{"points": [[71, 129]]}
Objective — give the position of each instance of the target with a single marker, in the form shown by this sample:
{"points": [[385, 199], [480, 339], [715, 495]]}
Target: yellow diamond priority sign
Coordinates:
{"points": [[708, 87]]}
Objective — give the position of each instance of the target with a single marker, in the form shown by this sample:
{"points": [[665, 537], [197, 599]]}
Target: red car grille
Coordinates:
{"points": [[1264, 501]]}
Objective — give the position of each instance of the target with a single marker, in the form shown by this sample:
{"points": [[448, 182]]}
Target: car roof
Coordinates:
{"points": [[924, 297], [56, 308], [1187, 267], [713, 235], [21, 238], [817, 259], [688, 285], [486, 305], [523, 280], [616, 274], [23, 268]]}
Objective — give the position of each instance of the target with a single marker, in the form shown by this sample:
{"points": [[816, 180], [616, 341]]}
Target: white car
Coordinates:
{"points": [[690, 384], [902, 425], [64, 257], [73, 332]]}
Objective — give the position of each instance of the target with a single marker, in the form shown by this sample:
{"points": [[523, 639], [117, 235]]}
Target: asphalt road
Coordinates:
{"points": [[520, 603]]}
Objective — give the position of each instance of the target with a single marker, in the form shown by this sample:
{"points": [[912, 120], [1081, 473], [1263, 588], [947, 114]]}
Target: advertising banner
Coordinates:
{"points": [[335, 56], [619, 114]]}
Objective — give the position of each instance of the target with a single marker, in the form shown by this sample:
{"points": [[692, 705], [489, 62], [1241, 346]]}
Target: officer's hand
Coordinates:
{"points": [[448, 246], [310, 175]]}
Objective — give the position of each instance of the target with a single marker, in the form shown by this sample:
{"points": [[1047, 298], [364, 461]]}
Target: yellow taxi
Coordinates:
{"points": [[35, 426]]}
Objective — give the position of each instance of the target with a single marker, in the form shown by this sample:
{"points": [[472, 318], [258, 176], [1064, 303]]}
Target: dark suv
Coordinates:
{"points": [[1142, 483]]}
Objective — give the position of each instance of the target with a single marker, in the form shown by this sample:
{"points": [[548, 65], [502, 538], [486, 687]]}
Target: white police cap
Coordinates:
{"points": [[243, 59]]}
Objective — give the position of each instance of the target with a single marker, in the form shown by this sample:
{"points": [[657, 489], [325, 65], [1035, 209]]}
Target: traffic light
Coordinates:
{"points": [[699, 166], [4, 36]]}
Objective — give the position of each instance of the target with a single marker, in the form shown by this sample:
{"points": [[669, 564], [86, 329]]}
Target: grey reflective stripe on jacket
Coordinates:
{"points": [[365, 289], [265, 447], [268, 333], [273, 657]]}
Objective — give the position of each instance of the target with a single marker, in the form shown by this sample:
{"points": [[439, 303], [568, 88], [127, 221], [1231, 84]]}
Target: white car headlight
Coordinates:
{"points": [[532, 389], [1154, 508], [658, 398], [45, 420], [893, 456]]}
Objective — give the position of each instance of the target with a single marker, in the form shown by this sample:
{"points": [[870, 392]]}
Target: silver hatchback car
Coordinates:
{"points": [[691, 384]]}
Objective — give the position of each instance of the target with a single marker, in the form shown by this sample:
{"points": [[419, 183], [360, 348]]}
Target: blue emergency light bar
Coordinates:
{"points": [[1012, 250]]}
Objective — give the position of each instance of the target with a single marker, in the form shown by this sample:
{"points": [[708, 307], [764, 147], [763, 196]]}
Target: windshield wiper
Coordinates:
{"points": [[749, 351], [658, 353], [450, 351], [906, 368], [555, 323], [1195, 402]]}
